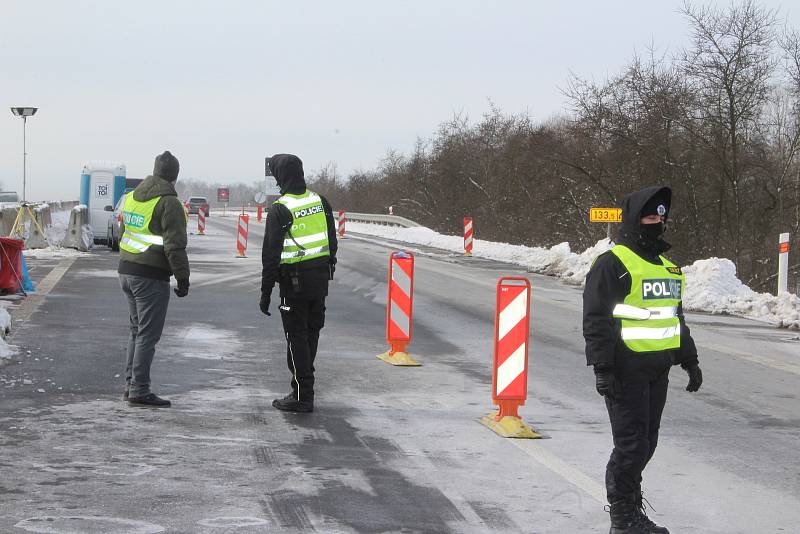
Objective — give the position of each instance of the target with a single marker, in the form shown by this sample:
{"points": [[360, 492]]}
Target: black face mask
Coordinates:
{"points": [[653, 232]]}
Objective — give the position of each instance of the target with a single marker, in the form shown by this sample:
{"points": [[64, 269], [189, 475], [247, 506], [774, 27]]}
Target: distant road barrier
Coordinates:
{"points": [[387, 220], [341, 221], [243, 227]]}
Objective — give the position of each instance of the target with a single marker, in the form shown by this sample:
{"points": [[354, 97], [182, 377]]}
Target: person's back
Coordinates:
{"points": [[299, 254], [152, 248]]}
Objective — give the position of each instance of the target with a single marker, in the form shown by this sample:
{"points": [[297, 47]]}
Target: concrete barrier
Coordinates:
{"points": [[79, 233], [36, 226], [46, 212], [7, 217]]}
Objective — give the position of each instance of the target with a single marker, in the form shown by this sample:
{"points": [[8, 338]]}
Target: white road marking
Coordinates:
{"points": [[29, 306], [571, 474]]}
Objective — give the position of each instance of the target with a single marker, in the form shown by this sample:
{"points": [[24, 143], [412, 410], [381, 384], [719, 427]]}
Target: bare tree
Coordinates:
{"points": [[729, 67]]}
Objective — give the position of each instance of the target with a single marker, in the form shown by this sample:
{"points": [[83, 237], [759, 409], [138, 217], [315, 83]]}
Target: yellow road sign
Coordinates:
{"points": [[606, 215]]}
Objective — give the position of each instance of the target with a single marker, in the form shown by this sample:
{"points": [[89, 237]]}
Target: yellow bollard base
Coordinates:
{"points": [[509, 427], [401, 359]]}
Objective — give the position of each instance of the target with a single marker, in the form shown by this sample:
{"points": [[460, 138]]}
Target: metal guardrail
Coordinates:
{"points": [[374, 218]]}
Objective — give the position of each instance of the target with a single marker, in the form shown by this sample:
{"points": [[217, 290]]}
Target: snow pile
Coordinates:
{"points": [[6, 350], [557, 261], [711, 285]]}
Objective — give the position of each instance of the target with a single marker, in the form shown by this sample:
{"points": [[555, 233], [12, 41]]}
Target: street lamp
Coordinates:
{"points": [[24, 113]]}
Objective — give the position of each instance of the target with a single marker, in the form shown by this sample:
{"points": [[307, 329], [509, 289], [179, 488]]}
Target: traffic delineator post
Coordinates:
{"points": [[342, 220], [399, 309], [468, 232], [201, 222], [259, 211], [783, 263], [241, 235], [510, 366]]}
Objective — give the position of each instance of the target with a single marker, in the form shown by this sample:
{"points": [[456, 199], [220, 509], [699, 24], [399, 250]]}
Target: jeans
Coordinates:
{"points": [[147, 302]]}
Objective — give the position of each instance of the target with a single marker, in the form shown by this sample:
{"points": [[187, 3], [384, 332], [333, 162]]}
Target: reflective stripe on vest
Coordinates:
{"points": [[137, 217], [649, 313], [308, 237]]}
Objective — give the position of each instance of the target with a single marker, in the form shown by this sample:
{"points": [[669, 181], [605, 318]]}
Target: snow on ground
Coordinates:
{"points": [[52, 252], [6, 350], [711, 284]]}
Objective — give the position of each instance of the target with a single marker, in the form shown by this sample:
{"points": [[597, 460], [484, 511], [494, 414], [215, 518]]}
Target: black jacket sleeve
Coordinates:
{"points": [[277, 217], [333, 243], [607, 284], [687, 355]]}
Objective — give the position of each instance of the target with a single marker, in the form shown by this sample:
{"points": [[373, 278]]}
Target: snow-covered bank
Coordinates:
{"points": [[712, 285]]}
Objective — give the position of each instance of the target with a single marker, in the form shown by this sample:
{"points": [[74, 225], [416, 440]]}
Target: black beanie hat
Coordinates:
{"points": [[166, 166], [658, 204]]}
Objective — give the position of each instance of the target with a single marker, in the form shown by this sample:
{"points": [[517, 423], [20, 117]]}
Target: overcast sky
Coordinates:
{"points": [[224, 84]]}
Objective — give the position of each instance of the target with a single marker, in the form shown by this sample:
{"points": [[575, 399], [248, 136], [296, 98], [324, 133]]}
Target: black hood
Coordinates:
{"points": [[630, 232], [288, 172]]}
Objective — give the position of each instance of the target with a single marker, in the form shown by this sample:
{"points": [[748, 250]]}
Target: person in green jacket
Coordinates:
{"points": [[152, 248]]}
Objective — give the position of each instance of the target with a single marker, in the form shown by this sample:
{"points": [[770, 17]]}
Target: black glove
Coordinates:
{"points": [[183, 287], [605, 382], [264, 303], [695, 377]]}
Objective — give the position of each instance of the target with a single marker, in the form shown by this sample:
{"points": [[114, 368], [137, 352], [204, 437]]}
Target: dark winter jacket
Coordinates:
{"points": [[608, 283], [169, 221], [313, 275]]}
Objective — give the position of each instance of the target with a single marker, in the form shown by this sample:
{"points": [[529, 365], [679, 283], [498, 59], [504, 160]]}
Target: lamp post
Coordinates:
{"points": [[24, 113]]}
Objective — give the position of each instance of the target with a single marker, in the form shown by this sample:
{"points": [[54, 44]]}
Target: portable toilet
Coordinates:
{"points": [[102, 185]]}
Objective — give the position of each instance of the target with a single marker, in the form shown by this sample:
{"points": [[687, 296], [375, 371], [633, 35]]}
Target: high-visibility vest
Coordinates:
{"points": [[308, 237], [649, 313], [136, 216]]}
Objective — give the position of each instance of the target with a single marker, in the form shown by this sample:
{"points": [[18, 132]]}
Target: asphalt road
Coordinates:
{"points": [[387, 449]]}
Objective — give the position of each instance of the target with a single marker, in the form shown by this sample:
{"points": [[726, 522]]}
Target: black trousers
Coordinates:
{"points": [[635, 416], [302, 321]]}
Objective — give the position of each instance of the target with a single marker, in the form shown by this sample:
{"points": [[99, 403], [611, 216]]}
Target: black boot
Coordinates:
{"points": [[290, 404], [649, 526], [625, 517]]}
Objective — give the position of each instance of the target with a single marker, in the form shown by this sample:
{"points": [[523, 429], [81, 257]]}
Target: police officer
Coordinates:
{"points": [[635, 331], [299, 253], [152, 248]]}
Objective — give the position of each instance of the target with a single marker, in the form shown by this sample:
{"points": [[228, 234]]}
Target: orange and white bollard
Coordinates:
{"points": [[259, 211], [342, 220], [201, 222], [510, 369], [399, 309], [468, 236], [241, 235]]}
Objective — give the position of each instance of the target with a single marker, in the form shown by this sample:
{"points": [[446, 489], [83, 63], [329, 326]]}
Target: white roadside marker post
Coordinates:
{"points": [[783, 263]]}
